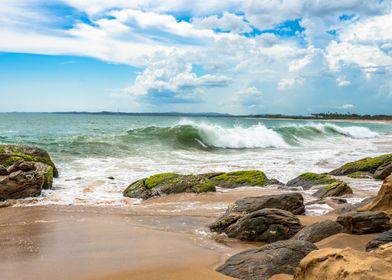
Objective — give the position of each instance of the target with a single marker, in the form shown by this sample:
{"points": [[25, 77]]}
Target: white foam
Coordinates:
{"points": [[256, 136]]}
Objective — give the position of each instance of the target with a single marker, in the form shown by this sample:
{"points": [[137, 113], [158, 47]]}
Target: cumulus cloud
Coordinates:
{"points": [[341, 82], [171, 78], [346, 106]]}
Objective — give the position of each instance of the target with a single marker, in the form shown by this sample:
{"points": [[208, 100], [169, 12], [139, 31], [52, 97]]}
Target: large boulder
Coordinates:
{"points": [[292, 202], [364, 222], [337, 188], [383, 200], [308, 180], [383, 238], [318, 231], [266, 225], [369, 165], [20, 184], [168, 183], [25, 158], [281, 257], [346, 264]]}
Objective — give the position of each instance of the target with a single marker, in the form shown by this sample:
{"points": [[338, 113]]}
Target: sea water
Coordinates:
{"points": [[91, 150]]}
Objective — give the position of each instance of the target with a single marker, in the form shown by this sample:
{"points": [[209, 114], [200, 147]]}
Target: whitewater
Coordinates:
{"points": [[98, 156]]}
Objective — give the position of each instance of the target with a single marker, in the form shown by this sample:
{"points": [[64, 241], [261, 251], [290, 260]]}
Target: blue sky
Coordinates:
{"points": [[235, 56]]}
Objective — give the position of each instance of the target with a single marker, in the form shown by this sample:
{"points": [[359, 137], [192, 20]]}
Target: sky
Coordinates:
{"points": [[232, 56]]}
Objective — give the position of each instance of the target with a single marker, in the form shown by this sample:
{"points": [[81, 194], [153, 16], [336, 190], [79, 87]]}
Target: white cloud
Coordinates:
{"points": [[341, 82], [346, 106], [288, 83], [228, 22], [173, 77]]}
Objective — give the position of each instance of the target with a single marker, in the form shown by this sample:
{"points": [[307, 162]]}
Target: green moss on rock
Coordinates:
{"points": [[365, 165], [245, 178], [316, 178], [154, 180]]}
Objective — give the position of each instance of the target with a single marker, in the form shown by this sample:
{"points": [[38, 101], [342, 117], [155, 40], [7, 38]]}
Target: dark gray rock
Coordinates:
{"points": [[364, 222], [383, 238], [383, 171], [267, 225], [338, 188], [281, 257], [308, 180], [292, 202], [318, 231], [3, 171]]}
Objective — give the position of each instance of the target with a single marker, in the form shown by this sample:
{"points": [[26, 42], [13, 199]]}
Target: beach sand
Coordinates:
{"points": [[148, 241]]}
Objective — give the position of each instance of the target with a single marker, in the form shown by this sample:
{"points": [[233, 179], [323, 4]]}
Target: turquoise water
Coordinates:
{"points": [[90, 148]]}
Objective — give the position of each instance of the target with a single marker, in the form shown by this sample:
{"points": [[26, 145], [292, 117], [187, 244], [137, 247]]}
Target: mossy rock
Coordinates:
{"points": [[337, 188], [309, 179], [364, 165], [360, 175], [241, 178], [169, 183], [11, 154]]}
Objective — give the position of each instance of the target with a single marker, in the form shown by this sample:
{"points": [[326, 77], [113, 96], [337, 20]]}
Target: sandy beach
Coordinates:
{"points": [[97, 243]]}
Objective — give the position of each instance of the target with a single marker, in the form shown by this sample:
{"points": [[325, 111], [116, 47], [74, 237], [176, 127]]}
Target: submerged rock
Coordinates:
{"points": [[267, 225], [369, 165], [364, 222], [308, 180], [383, 200], [318, 231], [337, 188], [383, 238], [168, 183], [342, 264], [292, 202], [260, 264], [24, 171]]}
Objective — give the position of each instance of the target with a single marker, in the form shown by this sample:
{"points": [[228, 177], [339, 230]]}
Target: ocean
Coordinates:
{"points": [[98, 156]]}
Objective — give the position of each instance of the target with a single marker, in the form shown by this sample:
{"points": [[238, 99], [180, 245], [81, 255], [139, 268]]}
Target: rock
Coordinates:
{"points": [[364, 222], [292, 202], [361, 175], [383, 171], [308, 180], [240, 178], [267, 225], [337, 188], [383, 238], [318, 231], [20, 184], [346, 264], [348, 207], [168, 183], [363, 165], [383, 200], [262, 263], [10, 154], [333, 202], [3, 171], [39, 167]]}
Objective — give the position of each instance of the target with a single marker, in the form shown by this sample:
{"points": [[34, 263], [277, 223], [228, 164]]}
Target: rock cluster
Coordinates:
{"points": [[169, 183], [24, 171]]}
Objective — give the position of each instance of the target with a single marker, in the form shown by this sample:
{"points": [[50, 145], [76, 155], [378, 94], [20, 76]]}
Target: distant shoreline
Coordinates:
{"points": [[317, 117]]}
